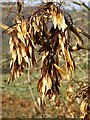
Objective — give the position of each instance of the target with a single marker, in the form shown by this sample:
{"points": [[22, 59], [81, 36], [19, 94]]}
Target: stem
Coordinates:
{"points": [[31, 88], [3, 26]]}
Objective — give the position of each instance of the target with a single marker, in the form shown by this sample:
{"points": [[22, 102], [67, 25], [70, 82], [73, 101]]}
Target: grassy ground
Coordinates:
{"points": [[17, 100]]}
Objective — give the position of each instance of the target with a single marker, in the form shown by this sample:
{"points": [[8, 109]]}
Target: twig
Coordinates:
{"points": [[77, 47], [9, 11], [82, 4], [3, 26], [29, 82], [83, 32], [81, 69]]}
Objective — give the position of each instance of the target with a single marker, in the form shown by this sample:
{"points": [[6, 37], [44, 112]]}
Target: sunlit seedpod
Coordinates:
{"points": [[60, 70], [49, 82], [52, 7], [45, 18], [43, 88], [61, 22], [69, 60], [78, 100], [23, 52], [74, 47], [20, 36], [36, 28], [18, 27], [18, 74], [33, 19], [84, 84], [11, 47], [19, 56], [70, 88], [10, 40], [23, 26], [32, 32], [27, 39], [61, 43], [40, 84], [60, 38], [37, 20], [54, 19], [14, 55], [78, 86], [83, 106], [39, 101], [30, 28], [12, 44], [30, 50], [11, 63], [26, 59]]}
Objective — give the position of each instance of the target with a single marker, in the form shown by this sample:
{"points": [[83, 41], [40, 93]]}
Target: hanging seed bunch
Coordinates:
{"points": [[48, 27], [53, 43], [21, 48], [84, 94], [85, 104]]}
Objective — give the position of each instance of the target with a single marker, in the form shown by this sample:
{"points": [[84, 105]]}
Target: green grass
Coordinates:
{"points": [[18, 87]]}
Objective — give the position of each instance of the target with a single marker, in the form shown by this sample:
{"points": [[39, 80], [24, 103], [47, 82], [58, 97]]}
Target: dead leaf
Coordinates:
{"points": [[60, 70]]}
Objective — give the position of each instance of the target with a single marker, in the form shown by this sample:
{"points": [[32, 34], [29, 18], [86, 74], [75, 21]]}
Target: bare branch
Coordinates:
{"points": [[82, 4]]}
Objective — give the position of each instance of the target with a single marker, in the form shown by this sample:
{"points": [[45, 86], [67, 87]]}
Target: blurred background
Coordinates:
{"points": [[16, 97]]}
